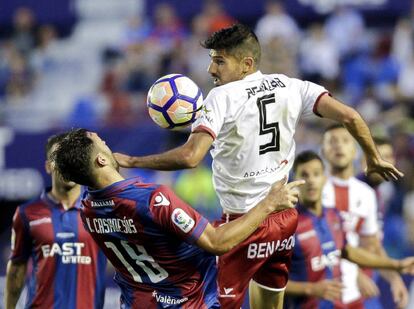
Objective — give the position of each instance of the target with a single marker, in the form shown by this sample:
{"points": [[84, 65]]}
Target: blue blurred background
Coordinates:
{"points": [[89, 63]]}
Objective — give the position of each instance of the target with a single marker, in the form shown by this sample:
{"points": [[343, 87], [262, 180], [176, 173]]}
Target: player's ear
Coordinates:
{"points": [[248, 64], [48, 167], [101, 159]]}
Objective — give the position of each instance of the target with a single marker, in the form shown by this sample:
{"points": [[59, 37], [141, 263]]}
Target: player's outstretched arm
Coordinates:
{"points": [[327, 289], [15, 276], [331, 108], [365, 258], [188, 155], [223, 238]]}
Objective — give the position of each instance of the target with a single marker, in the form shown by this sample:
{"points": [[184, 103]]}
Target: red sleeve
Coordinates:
{"points": [[20, 239], [176, 216]]}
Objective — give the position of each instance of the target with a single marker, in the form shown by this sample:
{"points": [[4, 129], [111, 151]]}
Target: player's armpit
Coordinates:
{"points": [[15, 278]]}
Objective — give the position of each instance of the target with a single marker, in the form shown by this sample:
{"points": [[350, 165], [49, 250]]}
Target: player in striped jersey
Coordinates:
{"points": [[68, 267], [154, 239], [316, 279], [357, 204]]}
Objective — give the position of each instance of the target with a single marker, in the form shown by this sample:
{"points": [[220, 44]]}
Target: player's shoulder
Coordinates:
{"points": [[361, 186], [33, 204]]}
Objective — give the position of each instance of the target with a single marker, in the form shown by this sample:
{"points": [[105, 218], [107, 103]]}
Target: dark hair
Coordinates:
{"points": [[52, 141], [305, 157], [238, 40], [381, 140], [333, 127], [73, 157]]}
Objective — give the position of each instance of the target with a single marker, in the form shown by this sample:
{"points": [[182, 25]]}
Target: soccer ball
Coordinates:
{"points": [[174, 101]]}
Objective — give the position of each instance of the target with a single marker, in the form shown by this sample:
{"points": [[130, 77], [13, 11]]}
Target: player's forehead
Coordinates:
{"points": [[338, 133], [219, 53], [311, 166]]}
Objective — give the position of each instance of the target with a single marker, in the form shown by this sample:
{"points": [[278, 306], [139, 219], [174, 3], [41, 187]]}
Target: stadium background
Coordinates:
{"points": [[88, 63]]}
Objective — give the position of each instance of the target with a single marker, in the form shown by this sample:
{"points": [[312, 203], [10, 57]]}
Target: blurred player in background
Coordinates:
{"points": [[153, 238], [385, 191], [357, 204], [315, 278], [68, 268], [250, 120]]}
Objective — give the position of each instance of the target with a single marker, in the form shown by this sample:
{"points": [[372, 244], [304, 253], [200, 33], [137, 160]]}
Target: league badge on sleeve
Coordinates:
{"points": [[181, 219]]}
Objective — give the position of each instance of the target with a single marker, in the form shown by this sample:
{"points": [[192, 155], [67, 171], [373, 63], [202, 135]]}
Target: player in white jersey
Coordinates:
{"points": [[250, 120], [357, 204]]}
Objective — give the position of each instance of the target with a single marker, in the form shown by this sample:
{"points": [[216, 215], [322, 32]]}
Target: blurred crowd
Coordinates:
{"points": [[99, 74]]}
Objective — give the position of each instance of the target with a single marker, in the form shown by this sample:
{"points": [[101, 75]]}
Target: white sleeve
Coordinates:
{"points": [[310, 94], [370, 224], [212, 115]]}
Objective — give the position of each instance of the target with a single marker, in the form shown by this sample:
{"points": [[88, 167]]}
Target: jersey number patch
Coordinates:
{"points": [[268, 128], [140, 259]]}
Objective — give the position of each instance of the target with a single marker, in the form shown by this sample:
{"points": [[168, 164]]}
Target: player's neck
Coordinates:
{"points": [[107, 178], [314, 207], [64, 196], [343, 173]]}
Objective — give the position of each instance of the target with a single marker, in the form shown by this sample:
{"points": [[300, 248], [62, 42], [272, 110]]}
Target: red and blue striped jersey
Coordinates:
{"points": [[68, 266], [148, 234], [317, 253]]}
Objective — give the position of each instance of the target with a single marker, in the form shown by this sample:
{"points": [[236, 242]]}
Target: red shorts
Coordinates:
{"points": [[264, 257]]}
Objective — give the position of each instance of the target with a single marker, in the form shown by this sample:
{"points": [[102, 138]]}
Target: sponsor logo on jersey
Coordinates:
{"points": [[65, 235], [266, 85], [265, 249], [330, 260], [227, 293], [181, 219], [103, 203], [70, 252], [265, 171], [306, 235], [40, 221], [161, 200], [167, 299]]}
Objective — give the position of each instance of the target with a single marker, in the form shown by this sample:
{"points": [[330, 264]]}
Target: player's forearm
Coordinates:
{"points": [[298, 288], [365, 258], [174, 159], [360, 131], [14, 284], [232, 233]]}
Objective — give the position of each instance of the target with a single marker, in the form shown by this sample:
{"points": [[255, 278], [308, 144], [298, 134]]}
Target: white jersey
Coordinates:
{"points": [[357, 205], [253, 122]]}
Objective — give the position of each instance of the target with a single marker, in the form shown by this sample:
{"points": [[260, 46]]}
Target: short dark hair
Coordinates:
{"points": [[238, 40], [73, 157], [333, 127], [305, 157], [52, 141]]}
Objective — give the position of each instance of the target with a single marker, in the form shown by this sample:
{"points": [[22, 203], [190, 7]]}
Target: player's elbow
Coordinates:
{"points": [[190, 159]]}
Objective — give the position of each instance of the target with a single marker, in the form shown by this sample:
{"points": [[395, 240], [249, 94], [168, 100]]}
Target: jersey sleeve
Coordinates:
{"points": [[370, 224], [175, 216], [310, 94], [212, 115], [20, 239]]}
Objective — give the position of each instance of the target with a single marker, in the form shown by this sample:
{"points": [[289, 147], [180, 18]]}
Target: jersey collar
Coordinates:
{"points": [[116, 186], [45, 196], [256, 75]]}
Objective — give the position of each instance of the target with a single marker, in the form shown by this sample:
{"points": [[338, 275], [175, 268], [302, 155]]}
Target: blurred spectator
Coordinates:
{"points": [[214, 16], [24, 31], [276, 23], [137, 30], [402, 41], [377, 68], [346, 29], [313, 48], [278, 57], [42, 57]]}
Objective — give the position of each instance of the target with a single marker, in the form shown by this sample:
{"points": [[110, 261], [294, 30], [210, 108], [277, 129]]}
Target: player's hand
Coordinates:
{"points": [[328, 289], [283, 195], [383, 168], [123, 160], [367, 286], [406, 266], [399, 292]]}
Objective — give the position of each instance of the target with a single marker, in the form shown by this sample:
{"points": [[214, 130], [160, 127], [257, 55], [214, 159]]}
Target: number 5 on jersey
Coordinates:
{"points": [[268, 128]]}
